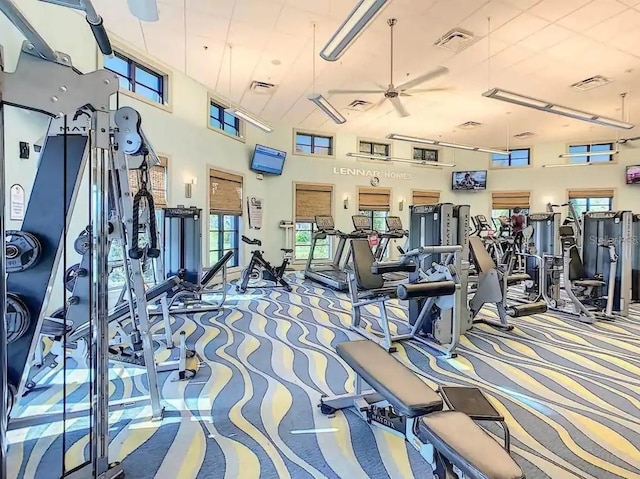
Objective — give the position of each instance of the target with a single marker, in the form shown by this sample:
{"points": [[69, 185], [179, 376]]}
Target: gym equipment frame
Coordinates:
{"points": [[259, 269]]}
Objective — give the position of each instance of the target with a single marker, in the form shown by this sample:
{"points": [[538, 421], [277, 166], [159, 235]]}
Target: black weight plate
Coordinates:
{"points": [[23, 251], [17, 318], [82, 243], [70, 276]]}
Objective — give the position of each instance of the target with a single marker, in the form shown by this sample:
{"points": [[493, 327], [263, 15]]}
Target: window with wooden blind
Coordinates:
{"points": [[158, 175], [374, 199], [591, 199], [311, 200], [501, 200], [423, 197], [225, 214], [225, 193]]}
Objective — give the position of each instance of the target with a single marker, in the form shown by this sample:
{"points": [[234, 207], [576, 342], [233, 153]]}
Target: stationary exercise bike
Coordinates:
{"points": [[260, 269]]}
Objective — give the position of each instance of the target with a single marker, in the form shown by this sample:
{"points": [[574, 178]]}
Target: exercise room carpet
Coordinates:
{"points": [[570, 393]]}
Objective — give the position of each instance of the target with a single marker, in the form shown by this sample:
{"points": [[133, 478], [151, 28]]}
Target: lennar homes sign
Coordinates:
{"points": [[372, 173]]}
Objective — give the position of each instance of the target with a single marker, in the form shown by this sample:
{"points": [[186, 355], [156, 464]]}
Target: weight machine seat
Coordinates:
{"points": [[215, 269], [286, 250], [384, 267], [426, 289], [483, 260], [170, 285], [466, 445], [363, 261], [391, 379]]}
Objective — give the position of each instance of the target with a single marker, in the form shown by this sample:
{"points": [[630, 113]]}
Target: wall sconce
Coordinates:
{"points": [[346, 202], [188, 187], [401, 205]]}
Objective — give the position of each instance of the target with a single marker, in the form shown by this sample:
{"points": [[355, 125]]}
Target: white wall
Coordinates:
{"points": [[183, 136]]}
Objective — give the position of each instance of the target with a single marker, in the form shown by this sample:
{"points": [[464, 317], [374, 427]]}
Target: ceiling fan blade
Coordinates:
{"points": [[397, 104], [355, 92], [427, 90], [423, 78]]}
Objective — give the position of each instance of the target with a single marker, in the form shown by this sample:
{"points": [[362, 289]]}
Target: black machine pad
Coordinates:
{"points": [[427, 289], [166, 287], [589, 283], [215, 269], [390, 378], [393, 267], [468, 446], [483, 260]]}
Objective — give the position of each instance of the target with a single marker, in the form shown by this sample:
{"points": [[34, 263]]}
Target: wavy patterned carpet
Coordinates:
{"points": [[570, 393]]}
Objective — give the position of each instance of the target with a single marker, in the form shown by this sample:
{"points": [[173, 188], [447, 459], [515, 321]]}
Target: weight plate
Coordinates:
{"points": [[23, 251], [18, 318], [82, 243], [70, 276]]}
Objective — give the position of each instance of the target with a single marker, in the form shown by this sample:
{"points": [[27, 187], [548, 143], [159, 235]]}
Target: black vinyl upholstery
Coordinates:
{"points": [[483, 260], [385, 267], [391, 379], [215, 269], [170, 285], [426, 289], [468, 446], [363, 260]]}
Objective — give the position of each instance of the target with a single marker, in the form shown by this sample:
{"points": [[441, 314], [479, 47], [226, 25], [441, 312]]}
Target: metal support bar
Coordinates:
{"points": [[15, 16], [4, 393]]}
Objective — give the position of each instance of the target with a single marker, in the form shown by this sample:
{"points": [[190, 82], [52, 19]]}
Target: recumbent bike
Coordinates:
{"points": [[259, 269]]}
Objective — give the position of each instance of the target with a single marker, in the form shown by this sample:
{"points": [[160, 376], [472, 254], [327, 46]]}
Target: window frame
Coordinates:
{"points": [[133, 61], [609, 144], [371, 215], [313, 229], [234, 262], [492, 159], [589, 199], [423, 149], [387, 144], [313, 135], [221, 105]]}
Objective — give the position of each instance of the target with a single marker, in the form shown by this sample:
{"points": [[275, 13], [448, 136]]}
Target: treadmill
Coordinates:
{"points": [[328, 274], [394, 231]]}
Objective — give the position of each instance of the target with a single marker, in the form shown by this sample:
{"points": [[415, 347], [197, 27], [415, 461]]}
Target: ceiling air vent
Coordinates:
{"points": [[455, 40], [591, 83], [359, 105], [262, 88], [469, 125], [525, 134]]}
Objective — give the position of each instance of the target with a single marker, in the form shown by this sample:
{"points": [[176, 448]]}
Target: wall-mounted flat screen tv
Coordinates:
{"points": [[469, 180], [633, 175], [268, 160]]}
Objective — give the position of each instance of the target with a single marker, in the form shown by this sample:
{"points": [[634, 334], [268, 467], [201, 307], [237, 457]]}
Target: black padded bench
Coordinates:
{"points": [[400, 402]]}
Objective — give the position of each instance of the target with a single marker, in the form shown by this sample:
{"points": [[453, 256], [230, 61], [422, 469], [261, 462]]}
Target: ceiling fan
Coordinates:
{"points": [[393, 92]]}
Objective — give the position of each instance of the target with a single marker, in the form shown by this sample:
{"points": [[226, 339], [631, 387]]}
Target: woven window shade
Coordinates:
{"points": [[374, 199], [504, 200], [421, 197], [225, 193], [591, 193], [158, 182], [312, 201]]}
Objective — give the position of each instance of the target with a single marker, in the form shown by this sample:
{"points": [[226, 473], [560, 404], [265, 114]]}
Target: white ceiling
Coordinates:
{"points": [[538, 48]]}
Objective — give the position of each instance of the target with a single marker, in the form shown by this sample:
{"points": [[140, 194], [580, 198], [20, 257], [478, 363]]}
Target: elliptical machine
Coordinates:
{"points": [[259, 269]]}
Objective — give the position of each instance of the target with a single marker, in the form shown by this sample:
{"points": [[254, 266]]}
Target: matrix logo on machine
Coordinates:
{"points": [[372, 173]]}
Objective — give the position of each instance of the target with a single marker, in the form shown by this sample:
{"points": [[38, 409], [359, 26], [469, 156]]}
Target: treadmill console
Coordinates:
{"points": [[482, 222], [394, 223], [362, 223], [325, 223]]}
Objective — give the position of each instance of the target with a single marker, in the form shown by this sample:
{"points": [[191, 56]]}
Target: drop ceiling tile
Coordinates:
{"points": [[591, 14], [520, 27], [522, 4], [447, 14], [217, 8], [203, 25], [322, 8], [294, 21], [627, 41], [499, 11], [552, 10], [510, 56], [264, 13], [547, 37], [615, 26], [631, 3], [247, 35]]}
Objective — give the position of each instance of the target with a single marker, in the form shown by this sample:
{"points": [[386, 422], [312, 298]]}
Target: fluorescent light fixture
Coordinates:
{"points": [[537, 104], [145, 10], [423, 162], [444, 144], [589, 153], [243, 115], [322, 103], [566, 165], [368, 156], [363, 14]]}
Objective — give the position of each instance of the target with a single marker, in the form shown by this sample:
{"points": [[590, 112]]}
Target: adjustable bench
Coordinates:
{"points": [[401, 403], [492, 288]]}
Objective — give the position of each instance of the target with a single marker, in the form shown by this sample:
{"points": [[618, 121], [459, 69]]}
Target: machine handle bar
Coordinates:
{"points": [[433, 250]]}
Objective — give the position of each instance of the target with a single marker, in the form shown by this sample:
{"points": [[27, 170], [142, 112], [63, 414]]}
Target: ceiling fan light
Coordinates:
{"points": [[144, 10], [322, 103], [363, 14]]}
